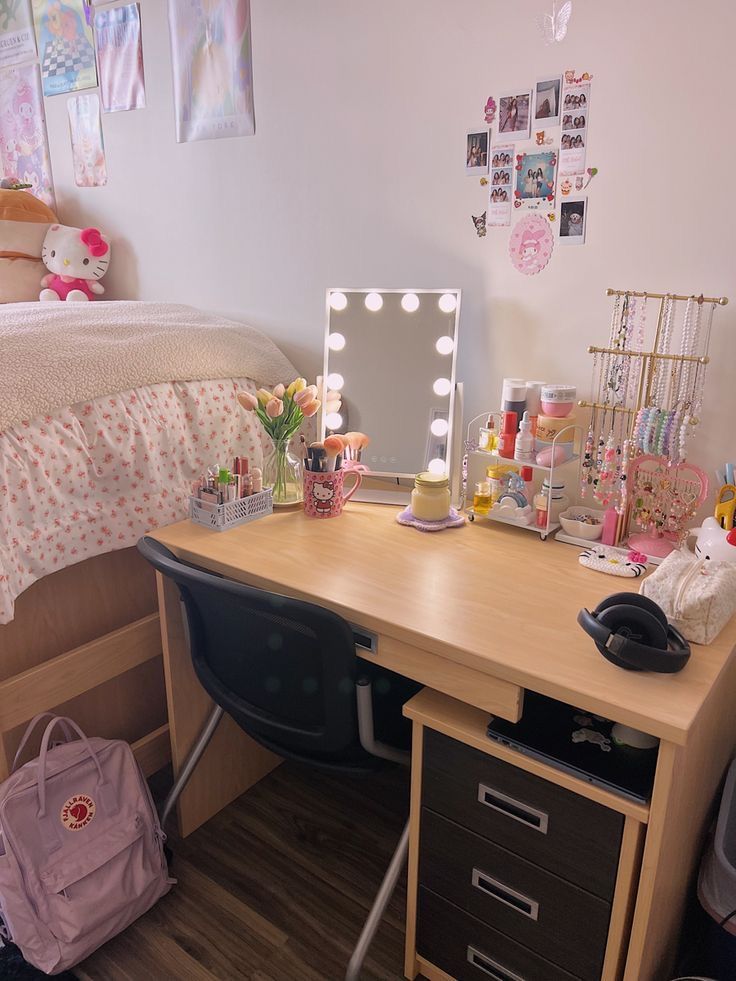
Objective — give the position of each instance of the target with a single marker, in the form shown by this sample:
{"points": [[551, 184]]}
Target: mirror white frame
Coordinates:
{"points": [[394, 486]]}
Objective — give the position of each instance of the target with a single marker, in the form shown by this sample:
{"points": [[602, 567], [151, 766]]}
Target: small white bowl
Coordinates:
{"points": [[571, 523]]}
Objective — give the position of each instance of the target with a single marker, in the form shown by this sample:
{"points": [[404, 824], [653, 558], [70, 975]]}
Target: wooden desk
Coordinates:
{"points": [[480, 614]]}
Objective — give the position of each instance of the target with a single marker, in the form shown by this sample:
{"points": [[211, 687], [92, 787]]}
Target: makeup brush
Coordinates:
{"points": [[357, 443], [317, 455], [333, 448]]}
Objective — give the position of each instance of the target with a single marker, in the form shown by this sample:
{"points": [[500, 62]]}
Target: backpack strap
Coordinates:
{"points": [[104, 788], [68, 735]]}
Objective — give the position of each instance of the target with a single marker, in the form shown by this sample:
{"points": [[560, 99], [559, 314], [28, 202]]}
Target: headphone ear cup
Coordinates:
{"points": [[636, 624], [633, 600]]}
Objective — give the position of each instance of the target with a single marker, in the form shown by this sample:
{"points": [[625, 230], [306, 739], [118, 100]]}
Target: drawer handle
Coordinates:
{"points": [[513, 808], [490, 967], [509, 897]]}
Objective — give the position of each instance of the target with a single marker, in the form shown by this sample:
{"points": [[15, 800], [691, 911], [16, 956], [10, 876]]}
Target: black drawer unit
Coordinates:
{"points": [[469, 950], [548, 825], [554, 918]]}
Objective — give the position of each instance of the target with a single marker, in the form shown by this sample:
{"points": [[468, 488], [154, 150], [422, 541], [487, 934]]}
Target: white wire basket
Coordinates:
{"points": [[221, 517]]}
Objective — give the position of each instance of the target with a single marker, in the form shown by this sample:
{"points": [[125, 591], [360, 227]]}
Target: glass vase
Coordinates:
{"points": [[282, 471]]}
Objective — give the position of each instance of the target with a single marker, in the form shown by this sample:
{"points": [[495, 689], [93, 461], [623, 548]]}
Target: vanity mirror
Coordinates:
{"points": [[391, 354]]}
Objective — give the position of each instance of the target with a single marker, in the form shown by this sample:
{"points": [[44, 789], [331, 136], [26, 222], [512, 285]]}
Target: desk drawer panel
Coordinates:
{"points": [[472, 951], [539, 910], [570, 835]]}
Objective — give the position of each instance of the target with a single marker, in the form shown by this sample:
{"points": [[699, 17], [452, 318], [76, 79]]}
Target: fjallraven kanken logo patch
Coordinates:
{"points": [[77, 812]]}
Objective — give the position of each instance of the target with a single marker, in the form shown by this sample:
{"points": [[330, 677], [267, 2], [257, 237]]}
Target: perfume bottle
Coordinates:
{"points": [[488, 438], [482, 497]]}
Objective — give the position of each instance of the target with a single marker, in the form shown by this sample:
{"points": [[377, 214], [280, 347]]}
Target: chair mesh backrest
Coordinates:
{"points": [[284, 669]]}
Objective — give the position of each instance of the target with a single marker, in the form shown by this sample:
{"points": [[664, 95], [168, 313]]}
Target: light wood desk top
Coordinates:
{"points": [[492, 598]]}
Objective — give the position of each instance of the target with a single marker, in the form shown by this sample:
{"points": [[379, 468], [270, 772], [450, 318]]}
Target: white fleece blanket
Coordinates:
{"points": [[60, 354]]}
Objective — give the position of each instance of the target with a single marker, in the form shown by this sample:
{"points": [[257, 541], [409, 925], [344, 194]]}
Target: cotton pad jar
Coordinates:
{"points": [[558, 400]]}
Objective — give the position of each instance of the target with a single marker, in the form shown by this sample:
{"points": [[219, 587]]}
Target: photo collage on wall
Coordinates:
{"points": [[530, 156]]}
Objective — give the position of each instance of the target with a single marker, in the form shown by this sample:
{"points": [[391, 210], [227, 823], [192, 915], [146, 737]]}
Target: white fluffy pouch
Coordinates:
{"points": [[697, 595]]}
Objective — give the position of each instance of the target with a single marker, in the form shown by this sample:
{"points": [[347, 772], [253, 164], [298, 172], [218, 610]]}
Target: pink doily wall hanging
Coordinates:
{"points": [[531, 244]]}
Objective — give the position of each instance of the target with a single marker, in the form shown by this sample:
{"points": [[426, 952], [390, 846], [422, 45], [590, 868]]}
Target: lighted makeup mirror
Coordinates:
{"points": [[391, 354]]}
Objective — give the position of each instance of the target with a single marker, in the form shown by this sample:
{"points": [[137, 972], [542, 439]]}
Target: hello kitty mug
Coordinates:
{"points": [[324, 495]]}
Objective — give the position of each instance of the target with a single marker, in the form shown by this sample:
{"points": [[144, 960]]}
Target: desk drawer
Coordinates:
{"points": [[570, 835], [472, 951], [539, 910]]}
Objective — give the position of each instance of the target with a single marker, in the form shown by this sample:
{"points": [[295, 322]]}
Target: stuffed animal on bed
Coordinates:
{"points": [[24, 221], [77, 258]]}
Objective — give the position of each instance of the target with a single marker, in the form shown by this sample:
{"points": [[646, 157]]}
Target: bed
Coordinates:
{"points": [[108, 412]]}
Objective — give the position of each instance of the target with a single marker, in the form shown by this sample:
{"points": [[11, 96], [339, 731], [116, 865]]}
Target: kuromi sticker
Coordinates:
{"points": [[78, 812]]}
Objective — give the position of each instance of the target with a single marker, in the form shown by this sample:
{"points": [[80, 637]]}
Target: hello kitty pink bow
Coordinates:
{"points": [[94, 241]]}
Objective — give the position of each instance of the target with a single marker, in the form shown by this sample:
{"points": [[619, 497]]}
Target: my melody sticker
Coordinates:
{"points": [[78, 812], [531, 244]]}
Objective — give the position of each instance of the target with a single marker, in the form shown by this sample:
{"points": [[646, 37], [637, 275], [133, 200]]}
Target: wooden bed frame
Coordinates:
{"points": [[86, 642]]}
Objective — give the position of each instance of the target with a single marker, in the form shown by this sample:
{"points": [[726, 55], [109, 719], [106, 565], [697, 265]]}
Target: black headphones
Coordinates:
{"points": [[632, 632]]}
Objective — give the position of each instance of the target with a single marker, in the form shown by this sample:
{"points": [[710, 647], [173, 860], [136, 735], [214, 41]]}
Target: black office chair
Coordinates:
{"points": [[287, 672]]}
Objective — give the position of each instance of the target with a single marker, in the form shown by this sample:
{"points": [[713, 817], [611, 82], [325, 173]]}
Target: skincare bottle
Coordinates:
{"points": [[540, 510], [488, 439], [482, 497], [513, 395], [507, 439], [524, 448], [527, 475]]}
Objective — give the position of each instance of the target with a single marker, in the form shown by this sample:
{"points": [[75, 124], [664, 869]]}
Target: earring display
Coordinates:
{"points": [[645, 406]]}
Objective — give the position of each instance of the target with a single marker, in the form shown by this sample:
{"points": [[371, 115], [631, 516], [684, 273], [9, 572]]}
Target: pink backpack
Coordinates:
{"points": [[81, 848]]}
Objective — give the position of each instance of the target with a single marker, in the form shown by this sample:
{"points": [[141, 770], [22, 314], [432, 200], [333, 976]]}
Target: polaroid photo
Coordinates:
{"points": [[573, 218], [476, 152], [547, 101], [501, 194], [514, 116], [536, 178]]}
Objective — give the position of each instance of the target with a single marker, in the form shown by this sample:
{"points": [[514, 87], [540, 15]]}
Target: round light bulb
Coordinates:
{"points": [[447, 302], [436, 466], [336, 341], [445, 344], [442, 386], [410, 302], [374, 302], [440, 427], [335, 381], [338, 301], [333, 420]]}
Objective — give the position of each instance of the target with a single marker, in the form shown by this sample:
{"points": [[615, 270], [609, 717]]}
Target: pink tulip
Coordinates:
{"points": [[279, 391], [306, 395], [248, 401], [274, 408], [311, 408]]}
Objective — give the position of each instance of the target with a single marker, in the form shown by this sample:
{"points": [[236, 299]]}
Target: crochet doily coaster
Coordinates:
{"points": [[454, 520]]}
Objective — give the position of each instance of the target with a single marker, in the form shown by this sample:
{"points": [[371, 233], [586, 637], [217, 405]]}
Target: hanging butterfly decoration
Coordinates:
{"points": [[490, 110], [479, 224], [554, 26]]}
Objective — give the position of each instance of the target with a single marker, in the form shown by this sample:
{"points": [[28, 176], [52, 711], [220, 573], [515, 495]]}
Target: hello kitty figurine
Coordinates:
{"points": [[715, 543], [76, 259]]}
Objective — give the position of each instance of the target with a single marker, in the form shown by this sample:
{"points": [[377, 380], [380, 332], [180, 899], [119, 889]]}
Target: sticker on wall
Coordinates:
{"points": [[547, 101], [17, 42], [542, 139], [479, 224], [120, 58], [535, 179], [573, 219], [213, 69], [531, 244], [24, 152], [514, 116], [88, 152], [502, 181], [476, 151], [65, 47], [575, 109], [489, 113], [554, 24]]}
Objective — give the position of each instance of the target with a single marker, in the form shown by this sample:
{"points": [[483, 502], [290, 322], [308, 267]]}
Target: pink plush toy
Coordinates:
{"points": [[76, 259]]}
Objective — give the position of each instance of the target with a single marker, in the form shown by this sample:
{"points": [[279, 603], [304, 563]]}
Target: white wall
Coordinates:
{"points": [[356, 177]]}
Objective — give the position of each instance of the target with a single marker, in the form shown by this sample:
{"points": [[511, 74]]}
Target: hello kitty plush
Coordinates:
{"points": [[76, 259]]}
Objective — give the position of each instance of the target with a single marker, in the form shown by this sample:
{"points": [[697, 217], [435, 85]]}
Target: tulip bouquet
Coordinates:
{"points": [[281, 413]]}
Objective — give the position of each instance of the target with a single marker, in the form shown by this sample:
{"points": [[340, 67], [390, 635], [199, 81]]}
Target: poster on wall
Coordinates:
{"points": [[24, 151], [575, 108], [88, 152], [17, 42], [535, 179], [502, 183], [213, 69], [120, 58], [65, 47], [514, 116]]}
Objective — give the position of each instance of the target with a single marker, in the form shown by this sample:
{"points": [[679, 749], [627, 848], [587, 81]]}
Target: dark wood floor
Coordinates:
{"points": [[274, 888]]}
